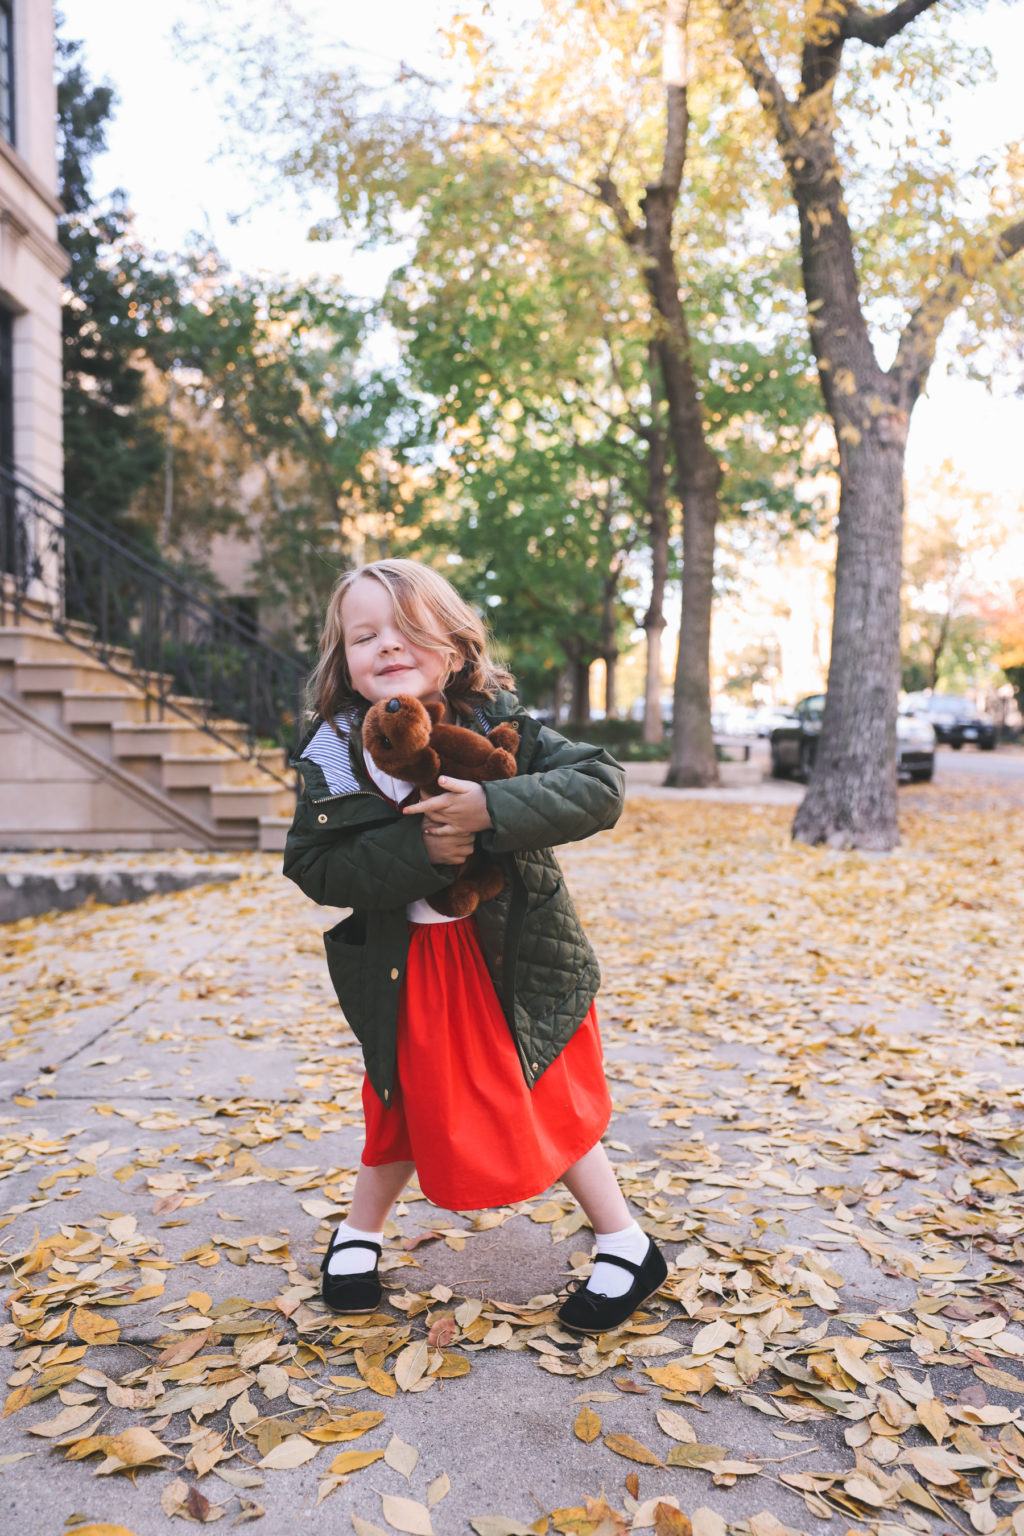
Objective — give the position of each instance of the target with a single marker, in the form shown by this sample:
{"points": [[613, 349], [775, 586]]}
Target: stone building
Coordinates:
{"points": [[32, 263]]}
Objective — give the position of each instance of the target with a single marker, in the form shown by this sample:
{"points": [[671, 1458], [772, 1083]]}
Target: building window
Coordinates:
{"points": [[6, 389], [6, 71]]}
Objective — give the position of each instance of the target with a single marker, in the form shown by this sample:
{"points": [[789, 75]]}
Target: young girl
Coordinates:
{"points": [[483, 1060]]}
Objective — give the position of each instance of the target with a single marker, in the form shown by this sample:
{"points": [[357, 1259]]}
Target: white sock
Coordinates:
{"points": [[611, 1279], [354, 1261]]}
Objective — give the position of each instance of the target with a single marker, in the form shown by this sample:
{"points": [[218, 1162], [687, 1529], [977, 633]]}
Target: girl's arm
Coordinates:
{"points": [[369, 867], [570, 791]]}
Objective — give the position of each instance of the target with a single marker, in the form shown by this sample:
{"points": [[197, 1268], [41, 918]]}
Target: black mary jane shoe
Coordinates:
{"points": [[591, 1313], [361, 1292]]}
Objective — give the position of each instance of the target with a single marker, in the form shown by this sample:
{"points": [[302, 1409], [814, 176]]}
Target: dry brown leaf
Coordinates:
{"points": [[401, 1458], [676, 1427], [587, 1425], [669, 1521], [65, 1421], [625, 1445], [411, 1364], [439, 1489]]}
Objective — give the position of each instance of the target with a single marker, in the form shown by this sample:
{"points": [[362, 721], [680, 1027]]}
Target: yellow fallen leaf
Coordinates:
{"points": [[934, 1418], [293, 1452], [102, 1530], [93, 1328], [349, 1428], [587, 1425], [132, 1448], [695, 1455], [351, 1461], [625, 1445]]}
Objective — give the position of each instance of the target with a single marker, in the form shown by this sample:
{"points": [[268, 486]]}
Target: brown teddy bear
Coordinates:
{"points": [[407, 740]]}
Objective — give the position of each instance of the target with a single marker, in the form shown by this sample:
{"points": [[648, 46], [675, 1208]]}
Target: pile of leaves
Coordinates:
{"points": [[816, 1064]]}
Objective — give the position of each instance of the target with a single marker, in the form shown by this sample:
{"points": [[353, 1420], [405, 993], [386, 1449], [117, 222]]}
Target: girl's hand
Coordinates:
{"points": [[462, 807], [446, 845]]}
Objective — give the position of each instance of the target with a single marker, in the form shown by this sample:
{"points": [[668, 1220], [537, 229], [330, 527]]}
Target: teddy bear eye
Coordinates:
{"points": [[386, 743]]}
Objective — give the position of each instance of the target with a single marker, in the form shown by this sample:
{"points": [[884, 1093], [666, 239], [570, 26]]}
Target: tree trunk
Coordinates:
{"points": [[580, 690], [609, 645], [697, 472], [851, 797], [692, 761], [654, 619]]}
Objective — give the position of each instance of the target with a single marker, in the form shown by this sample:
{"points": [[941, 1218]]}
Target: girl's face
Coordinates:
{"points": [[381, 661]]}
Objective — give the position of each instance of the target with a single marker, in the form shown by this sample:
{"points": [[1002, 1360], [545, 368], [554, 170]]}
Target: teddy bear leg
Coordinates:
{"points": [[504, 736], [458, 900]]}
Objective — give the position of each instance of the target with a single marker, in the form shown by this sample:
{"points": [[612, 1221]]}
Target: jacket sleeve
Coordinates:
{"points": [[570, 791], [372, 867]]}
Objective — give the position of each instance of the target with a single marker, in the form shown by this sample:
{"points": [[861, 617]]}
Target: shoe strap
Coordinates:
{"points": [[613, 1258], [355, 1242]]}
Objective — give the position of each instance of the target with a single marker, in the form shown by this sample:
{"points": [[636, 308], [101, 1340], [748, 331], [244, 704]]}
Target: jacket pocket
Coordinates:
{"points": [[345, 945]]}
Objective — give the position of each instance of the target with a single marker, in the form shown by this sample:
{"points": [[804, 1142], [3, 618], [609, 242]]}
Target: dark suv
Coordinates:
{"points": [[794, 745], [953, 719]]}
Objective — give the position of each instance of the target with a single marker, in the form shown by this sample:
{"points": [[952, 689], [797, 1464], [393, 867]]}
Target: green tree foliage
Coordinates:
{"points": [[315, 450], [114, 299], [543, 173]]}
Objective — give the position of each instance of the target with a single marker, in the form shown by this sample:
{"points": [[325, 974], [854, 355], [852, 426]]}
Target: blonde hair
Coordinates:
{"points": [[430, 613]]}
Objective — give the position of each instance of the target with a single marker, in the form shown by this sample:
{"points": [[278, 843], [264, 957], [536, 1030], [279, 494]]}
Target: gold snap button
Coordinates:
{"points": [[536, 1066], [321, 818], [394, 975]]}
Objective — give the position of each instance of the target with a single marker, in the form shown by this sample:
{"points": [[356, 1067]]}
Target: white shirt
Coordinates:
{"points": [[397, 789]]}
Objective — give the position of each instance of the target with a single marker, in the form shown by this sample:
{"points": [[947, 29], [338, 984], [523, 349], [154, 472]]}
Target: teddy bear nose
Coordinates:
{"points": [[393, 706]]}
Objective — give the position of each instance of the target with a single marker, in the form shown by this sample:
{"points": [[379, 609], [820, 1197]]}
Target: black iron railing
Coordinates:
{"points": [[146, 622]]}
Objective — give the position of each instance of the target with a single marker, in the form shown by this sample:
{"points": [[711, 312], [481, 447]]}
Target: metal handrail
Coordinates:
{"points": [[147, 623]]}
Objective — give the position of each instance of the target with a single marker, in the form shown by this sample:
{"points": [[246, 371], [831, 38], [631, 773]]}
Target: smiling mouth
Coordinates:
{"points": [[387, 671]]}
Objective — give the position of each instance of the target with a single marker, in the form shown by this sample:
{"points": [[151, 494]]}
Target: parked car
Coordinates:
{"points": [[769, 716], [733, 720], [794, 744], [953, 719]]}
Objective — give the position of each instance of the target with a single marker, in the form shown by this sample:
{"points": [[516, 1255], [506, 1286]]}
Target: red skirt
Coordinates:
{"points": [[461, 1109]]}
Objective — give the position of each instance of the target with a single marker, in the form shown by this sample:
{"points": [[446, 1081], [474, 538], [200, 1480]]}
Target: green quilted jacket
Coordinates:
{"points": [[355, 849]]}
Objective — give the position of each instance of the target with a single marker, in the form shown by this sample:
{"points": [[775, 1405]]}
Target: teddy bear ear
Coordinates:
{"points": [[436, 712]]}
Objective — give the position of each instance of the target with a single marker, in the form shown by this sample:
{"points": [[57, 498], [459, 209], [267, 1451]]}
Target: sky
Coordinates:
{"points": [[163, 150]]}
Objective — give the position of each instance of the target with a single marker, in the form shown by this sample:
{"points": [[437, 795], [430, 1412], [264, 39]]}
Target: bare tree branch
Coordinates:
{"points": [[760, 73], [610, 195], [880, 27], [920, 336]]}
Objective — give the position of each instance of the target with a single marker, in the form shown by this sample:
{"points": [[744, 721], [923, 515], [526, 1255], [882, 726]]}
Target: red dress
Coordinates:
{"points": [[461, 1109]]}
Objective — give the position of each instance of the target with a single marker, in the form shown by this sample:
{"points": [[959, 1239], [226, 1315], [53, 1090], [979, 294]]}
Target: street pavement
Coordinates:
{"points": [[816, 1061]]}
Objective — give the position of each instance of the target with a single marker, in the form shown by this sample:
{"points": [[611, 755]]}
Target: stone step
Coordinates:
{"points": [[201, 770], [40, 644], [273, 831], [73, 673], [95, 708], [250, 802]]}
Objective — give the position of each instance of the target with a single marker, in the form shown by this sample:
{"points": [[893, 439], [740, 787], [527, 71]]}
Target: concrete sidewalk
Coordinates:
{"points": [[835, 1170]]}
